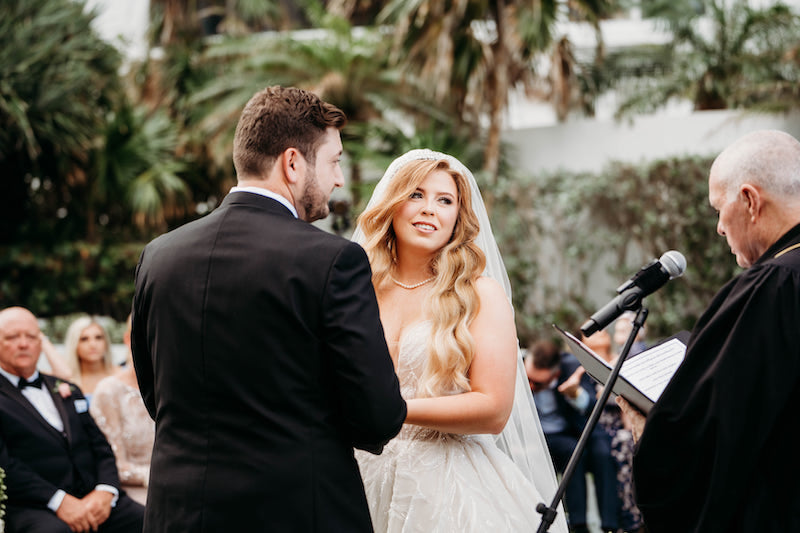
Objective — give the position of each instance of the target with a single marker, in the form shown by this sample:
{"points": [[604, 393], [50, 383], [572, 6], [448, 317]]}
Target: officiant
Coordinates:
{"points": [[718, 451]]}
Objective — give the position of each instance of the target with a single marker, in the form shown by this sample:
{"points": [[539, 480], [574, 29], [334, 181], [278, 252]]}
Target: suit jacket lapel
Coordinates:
{"points": [[50, 383], [8, 388]]}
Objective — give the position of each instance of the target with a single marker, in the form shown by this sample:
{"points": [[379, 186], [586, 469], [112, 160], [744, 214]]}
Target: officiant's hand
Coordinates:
{"points": [[635, 417]]}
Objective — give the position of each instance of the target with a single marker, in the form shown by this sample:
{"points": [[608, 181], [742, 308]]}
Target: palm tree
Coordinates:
{"points": [[342, 65], [473, 52], [735, 56], [72, 147], [59, 82], [570, 83], [137, 164], [183, 21]]}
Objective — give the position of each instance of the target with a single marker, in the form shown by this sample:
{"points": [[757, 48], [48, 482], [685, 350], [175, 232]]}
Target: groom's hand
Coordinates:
{"points": [[375, 449]]}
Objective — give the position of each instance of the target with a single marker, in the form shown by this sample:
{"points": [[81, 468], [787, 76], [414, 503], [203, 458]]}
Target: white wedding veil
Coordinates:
{"points": [[522, 439]]}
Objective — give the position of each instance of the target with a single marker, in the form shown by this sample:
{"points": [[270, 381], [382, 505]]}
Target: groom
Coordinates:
{"points": [[258, 345]]}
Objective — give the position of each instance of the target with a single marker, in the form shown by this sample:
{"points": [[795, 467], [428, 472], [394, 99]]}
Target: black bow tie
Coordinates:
{"points": [[34, 383]]}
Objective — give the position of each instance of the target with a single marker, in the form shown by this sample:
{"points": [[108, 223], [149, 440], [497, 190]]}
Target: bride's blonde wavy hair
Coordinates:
{"points": [[453, 301]]}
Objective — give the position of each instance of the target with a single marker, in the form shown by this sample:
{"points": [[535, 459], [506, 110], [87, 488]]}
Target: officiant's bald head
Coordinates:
{"points": [[754, 185]]}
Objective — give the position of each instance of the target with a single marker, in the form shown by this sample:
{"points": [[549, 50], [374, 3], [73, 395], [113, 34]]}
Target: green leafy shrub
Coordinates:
{"points": [[558, 231], [71, 277]]}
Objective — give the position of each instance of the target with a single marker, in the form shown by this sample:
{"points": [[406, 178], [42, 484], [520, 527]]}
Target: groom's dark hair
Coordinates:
{"points": [[278, 118]]}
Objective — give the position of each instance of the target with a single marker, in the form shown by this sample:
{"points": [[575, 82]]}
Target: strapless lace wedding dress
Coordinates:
{"points": [[431, 482]]}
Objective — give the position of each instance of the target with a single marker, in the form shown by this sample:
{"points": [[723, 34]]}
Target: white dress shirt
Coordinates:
{"points": [[268, 194], [40, 398]]}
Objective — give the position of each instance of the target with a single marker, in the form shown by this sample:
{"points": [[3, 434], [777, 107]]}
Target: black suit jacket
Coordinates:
{"points": [[260, 354], [39, 460]]}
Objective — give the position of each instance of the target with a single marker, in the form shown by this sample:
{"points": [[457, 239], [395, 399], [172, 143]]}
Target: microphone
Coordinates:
{"points": [[648, 280]]}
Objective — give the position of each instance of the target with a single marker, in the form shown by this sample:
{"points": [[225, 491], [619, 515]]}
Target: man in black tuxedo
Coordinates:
{"points": [[60, 471], [258, 345]]}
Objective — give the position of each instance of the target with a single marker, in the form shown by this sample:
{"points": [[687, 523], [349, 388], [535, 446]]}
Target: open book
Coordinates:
{"points": [[643, 376]]}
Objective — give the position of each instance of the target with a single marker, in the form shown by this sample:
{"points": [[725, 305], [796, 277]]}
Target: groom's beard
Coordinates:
{"points": [[313, 200]]}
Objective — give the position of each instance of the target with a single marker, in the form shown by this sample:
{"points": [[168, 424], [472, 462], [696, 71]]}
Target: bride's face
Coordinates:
{"points": [[427, 219]]}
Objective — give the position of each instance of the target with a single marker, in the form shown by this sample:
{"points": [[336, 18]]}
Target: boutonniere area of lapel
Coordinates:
{"points": [[63, 388]]}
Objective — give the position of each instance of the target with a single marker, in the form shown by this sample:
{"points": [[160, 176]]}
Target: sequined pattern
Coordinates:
{"points": [[120, 413]]}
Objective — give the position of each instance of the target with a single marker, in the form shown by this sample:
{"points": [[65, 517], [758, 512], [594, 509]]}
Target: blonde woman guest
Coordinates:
{"points": [[87, 349], [444, 301], [119, 411]]}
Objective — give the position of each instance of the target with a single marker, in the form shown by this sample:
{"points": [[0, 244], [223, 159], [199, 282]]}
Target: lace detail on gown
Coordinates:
{"points": [[433, 482], [119, 411]]}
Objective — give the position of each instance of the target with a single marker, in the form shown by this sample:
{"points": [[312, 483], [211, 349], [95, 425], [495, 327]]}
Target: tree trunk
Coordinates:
{"points": [[355, 183], [91, 226], [499, 95], [177, 14]]}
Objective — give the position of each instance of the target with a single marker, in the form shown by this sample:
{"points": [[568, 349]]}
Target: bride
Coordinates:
{"points": [[471, 455]]}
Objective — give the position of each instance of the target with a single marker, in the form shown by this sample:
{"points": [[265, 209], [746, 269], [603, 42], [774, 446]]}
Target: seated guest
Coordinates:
{"points": [[87, 349], [60, 470], [119, 411], [564, 396]]}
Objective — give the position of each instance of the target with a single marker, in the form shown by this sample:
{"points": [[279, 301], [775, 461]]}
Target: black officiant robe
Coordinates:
{"points": [[721, 449]]}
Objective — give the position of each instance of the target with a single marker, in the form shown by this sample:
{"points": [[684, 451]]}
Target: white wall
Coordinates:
{"points": [[123, 23], [588, 145]]}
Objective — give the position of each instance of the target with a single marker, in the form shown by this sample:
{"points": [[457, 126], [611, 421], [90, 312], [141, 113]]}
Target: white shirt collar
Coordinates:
{"points": [[14, 379], [268, 194]]}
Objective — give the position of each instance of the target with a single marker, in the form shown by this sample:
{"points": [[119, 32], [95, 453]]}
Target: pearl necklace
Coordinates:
{"points": [[415, 285]]}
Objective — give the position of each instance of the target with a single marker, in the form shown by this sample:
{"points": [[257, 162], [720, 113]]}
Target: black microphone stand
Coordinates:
{"points": [[549, 513]]}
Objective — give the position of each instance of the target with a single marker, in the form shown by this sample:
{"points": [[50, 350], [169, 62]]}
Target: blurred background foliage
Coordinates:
{"points": [[614, 222], [101, 153]]}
